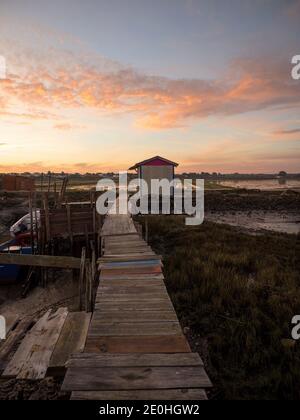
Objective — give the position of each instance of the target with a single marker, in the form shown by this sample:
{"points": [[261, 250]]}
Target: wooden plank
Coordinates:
{"points": [[40, 261], [72, 339], [135, 344], [140, 395], [23, 352], [128, 298], [135, 306], [121, 265], [134, 329], [128, 283], [11, 322], [136, 316], [121, 276], [125, 258], [96, 379], [36, 366], [8, 346], [33, 356], [89, 360], [134, 270], [129, 290]]}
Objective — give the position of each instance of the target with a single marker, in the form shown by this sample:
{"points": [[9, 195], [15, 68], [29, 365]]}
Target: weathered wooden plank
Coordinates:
{"points": [[128, 283], [124, 248], [8, 346], [135, 344], [129, 290], [135, 306], [141, 395], [120, 265], [128, 258], [40, 261], [89, 360], [136, 316], [122, 276], [33, 356], [133, 270], [11, 322], [128, 298], [134, 329], [72, 339], [96, 379], [23, 352], [36, 366]]}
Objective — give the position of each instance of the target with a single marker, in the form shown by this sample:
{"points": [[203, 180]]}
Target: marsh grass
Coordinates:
{"points": [[237, 293]]}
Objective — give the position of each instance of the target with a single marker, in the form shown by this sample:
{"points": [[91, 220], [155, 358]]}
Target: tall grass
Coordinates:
{"points": [[238, 294]]}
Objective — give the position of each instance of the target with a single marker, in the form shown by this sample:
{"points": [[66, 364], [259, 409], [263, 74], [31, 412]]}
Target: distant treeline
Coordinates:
{"points": [[190, 175], [237, 176]]}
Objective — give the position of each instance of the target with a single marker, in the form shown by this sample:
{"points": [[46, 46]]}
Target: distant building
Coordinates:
{"points": [[155, 168], [17, 183]]}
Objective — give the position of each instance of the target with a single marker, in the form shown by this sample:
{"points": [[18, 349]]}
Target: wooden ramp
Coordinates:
{"points": [[135, 349]]}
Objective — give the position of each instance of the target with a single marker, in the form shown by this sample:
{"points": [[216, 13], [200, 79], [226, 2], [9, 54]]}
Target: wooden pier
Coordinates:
{"points": [[135, 348]]}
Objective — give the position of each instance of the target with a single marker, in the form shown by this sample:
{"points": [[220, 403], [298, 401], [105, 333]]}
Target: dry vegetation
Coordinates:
{"points": [[237, 294]]}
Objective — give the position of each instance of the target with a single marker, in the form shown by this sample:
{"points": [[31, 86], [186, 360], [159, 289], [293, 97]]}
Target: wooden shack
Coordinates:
{"points": [[156, 167]]}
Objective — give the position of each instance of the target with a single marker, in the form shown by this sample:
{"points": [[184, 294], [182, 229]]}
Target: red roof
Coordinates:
{"points": [[155, 161]]}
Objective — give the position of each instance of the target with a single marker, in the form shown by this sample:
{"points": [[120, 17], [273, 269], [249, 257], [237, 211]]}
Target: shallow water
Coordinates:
{"points": [[272, 221], [267, 184]]}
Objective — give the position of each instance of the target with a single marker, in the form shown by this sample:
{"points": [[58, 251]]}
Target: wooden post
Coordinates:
{"points": [[46, 208], [31, 223], [37, 233], [55, 198], [88, 287], [82, 276], [49, 182], [42, 182], [68, 207], [86, 231]]}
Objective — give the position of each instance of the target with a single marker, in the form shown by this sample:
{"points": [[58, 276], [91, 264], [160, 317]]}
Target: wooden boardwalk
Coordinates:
{"points": [[135, 347]]}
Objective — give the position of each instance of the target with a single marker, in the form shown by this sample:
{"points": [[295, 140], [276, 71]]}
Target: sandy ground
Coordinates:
{"points": [[62, 292]]}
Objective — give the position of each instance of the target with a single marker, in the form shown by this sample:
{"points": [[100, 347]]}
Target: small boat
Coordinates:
{"points": [[11, 273]]}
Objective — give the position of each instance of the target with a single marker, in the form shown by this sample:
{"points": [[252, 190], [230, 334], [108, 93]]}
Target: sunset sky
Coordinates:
{"points": [[97, 85]]}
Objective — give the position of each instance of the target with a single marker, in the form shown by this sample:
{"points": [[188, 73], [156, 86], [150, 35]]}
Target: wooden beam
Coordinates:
{"points": [[41, 261]]}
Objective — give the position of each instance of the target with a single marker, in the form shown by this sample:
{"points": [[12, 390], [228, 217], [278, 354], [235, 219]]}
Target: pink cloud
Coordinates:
{"points": [[156, 102]]}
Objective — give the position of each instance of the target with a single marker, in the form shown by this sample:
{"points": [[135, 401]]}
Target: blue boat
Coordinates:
{"points": [[10, 273]]}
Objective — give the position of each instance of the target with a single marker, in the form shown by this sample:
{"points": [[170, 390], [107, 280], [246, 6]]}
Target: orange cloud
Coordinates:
{"points": [[156, 102]]}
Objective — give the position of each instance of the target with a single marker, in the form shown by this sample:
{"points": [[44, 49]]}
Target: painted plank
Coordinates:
{"points": [[122, 276], [134, 270], [134, 257], [96, 379], [140, 395], [128, 283], [151, 264], [135, 344]]}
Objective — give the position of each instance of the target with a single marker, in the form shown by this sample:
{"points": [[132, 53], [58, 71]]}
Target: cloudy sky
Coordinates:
{"points": [[98, 85]]}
